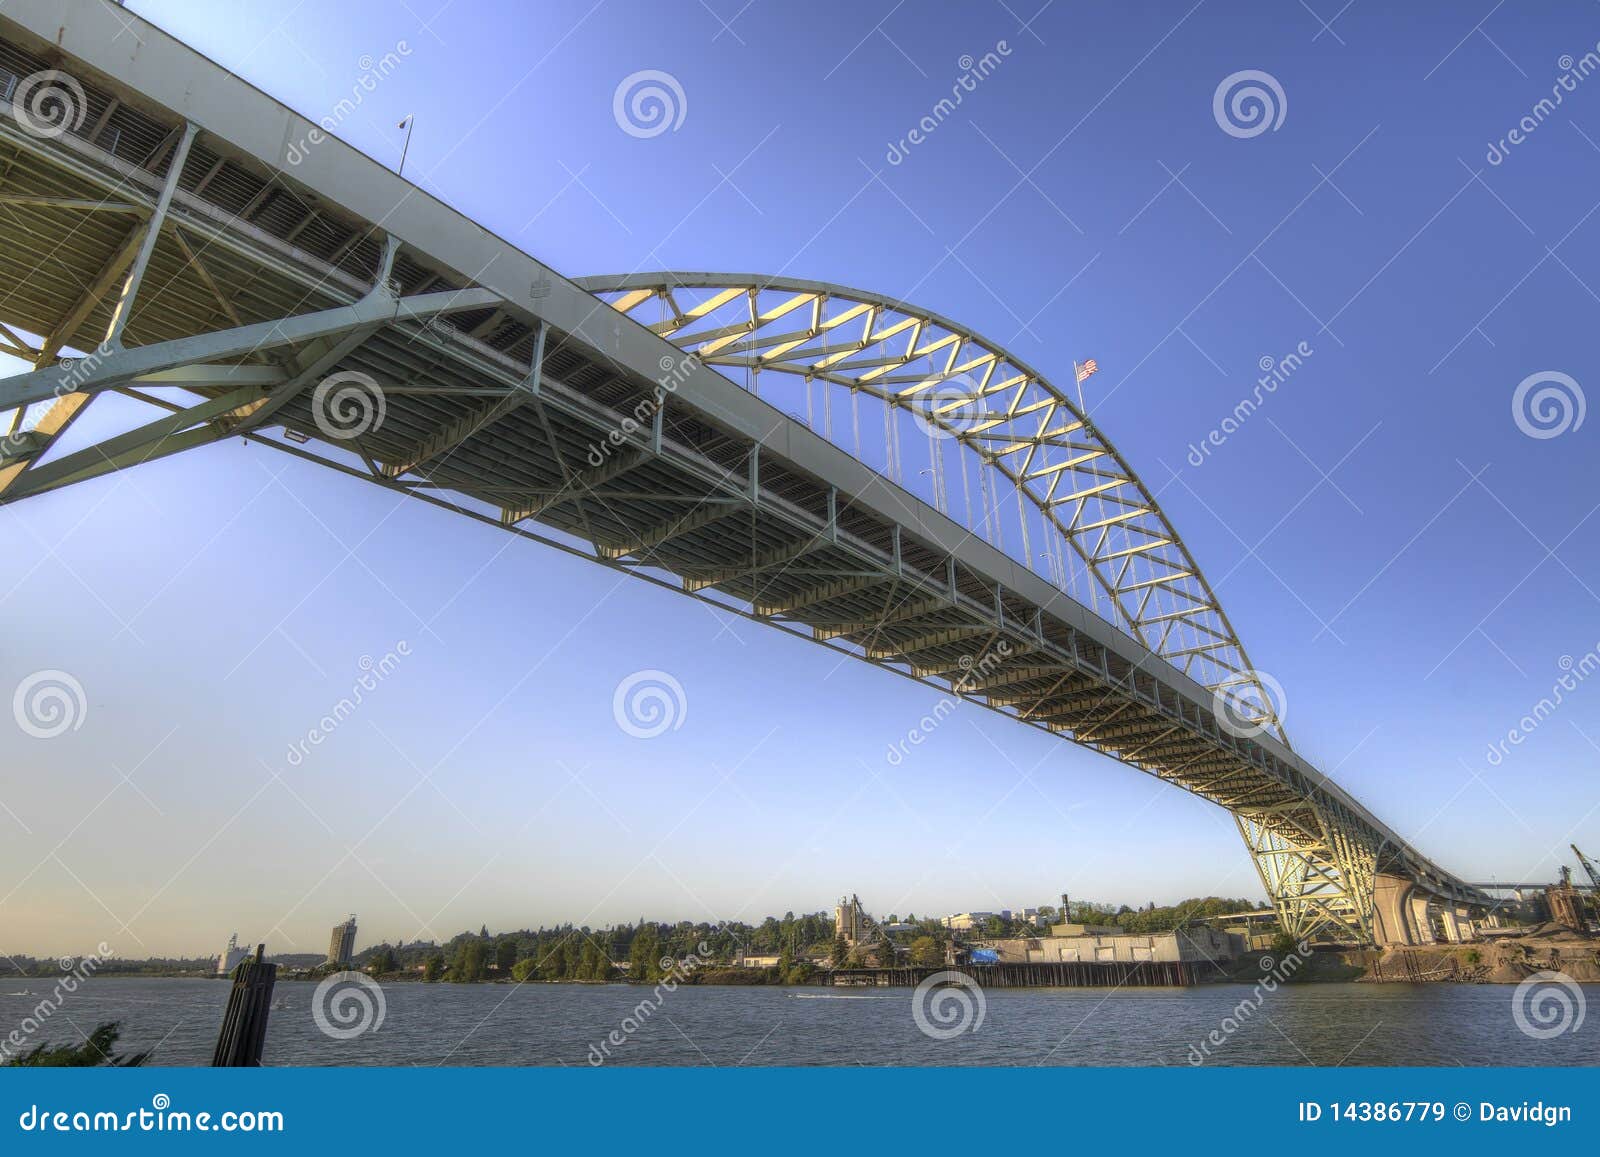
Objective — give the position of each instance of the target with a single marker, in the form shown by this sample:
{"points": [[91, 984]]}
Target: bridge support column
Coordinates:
{"points": [[1421, 917], [1392, 919], [1457, 925]]}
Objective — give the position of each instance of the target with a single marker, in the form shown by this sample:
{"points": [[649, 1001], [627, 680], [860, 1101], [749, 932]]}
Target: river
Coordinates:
{"points": [[500, 1024]]}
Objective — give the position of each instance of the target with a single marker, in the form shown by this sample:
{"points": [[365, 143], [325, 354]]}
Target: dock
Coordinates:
{"points": [[1065, 974]]}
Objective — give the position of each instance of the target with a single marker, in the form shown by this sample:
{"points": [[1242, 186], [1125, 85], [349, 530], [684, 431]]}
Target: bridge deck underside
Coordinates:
{"points": [[476, 420]]}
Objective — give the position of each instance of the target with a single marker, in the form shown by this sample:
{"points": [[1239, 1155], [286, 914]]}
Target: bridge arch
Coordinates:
{"points": [[1081, 510]]}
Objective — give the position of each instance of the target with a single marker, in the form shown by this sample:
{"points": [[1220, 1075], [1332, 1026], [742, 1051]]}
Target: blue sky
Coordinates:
{"points": [[1390, 545]]}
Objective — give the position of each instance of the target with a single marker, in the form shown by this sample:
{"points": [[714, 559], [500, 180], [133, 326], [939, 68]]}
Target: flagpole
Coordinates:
{"points": [[410, 123]]}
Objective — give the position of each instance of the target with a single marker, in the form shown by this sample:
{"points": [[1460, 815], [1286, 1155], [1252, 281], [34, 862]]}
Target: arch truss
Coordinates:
{"points": [[1007, 451]]}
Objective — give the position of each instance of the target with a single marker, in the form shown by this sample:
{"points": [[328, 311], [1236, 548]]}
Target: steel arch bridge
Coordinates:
{"points": [[219, 263]]}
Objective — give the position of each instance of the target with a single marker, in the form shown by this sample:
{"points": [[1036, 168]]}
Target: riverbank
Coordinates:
{"points": [[1503, 960]]}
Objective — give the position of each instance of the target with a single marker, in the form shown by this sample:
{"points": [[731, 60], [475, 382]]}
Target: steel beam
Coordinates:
{"points": [[98, 372]]}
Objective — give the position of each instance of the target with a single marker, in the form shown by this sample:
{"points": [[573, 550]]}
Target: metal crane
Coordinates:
{"points": [[1588, 867]]}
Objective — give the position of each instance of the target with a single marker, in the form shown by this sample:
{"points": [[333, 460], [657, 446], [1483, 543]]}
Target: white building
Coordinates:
{"points": [[232, 956], [967, 921], [1196, 944]]}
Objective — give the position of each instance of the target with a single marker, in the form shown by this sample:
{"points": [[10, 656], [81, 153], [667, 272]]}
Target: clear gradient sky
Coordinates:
{"points": [[1391, 546]]}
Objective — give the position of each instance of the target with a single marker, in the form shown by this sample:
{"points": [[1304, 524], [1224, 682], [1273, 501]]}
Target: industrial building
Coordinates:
{"points": [[1076, 943], [342, 943]]}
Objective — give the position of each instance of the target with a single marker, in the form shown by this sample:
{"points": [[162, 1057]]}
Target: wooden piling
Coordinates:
{"points": [[244, 1025]]}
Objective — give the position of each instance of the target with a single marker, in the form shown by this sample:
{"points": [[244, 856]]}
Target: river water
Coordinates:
{"points": [[500, 1024]]}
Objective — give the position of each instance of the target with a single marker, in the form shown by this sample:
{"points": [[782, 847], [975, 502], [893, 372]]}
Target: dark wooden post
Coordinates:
{"points": [[244, 1025]]}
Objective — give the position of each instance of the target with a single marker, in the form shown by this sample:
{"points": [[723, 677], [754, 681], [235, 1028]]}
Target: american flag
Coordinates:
{"points": [[1087, 369]]}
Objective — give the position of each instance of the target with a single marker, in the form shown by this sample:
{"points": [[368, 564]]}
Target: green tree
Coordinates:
{"points": [[644, 957], [556, 966], [926, 952], [433, 968], [382, 961], [505, 954], [525, 970], [591, 965], [841, 950], [468, 965], [94, 1051]]}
